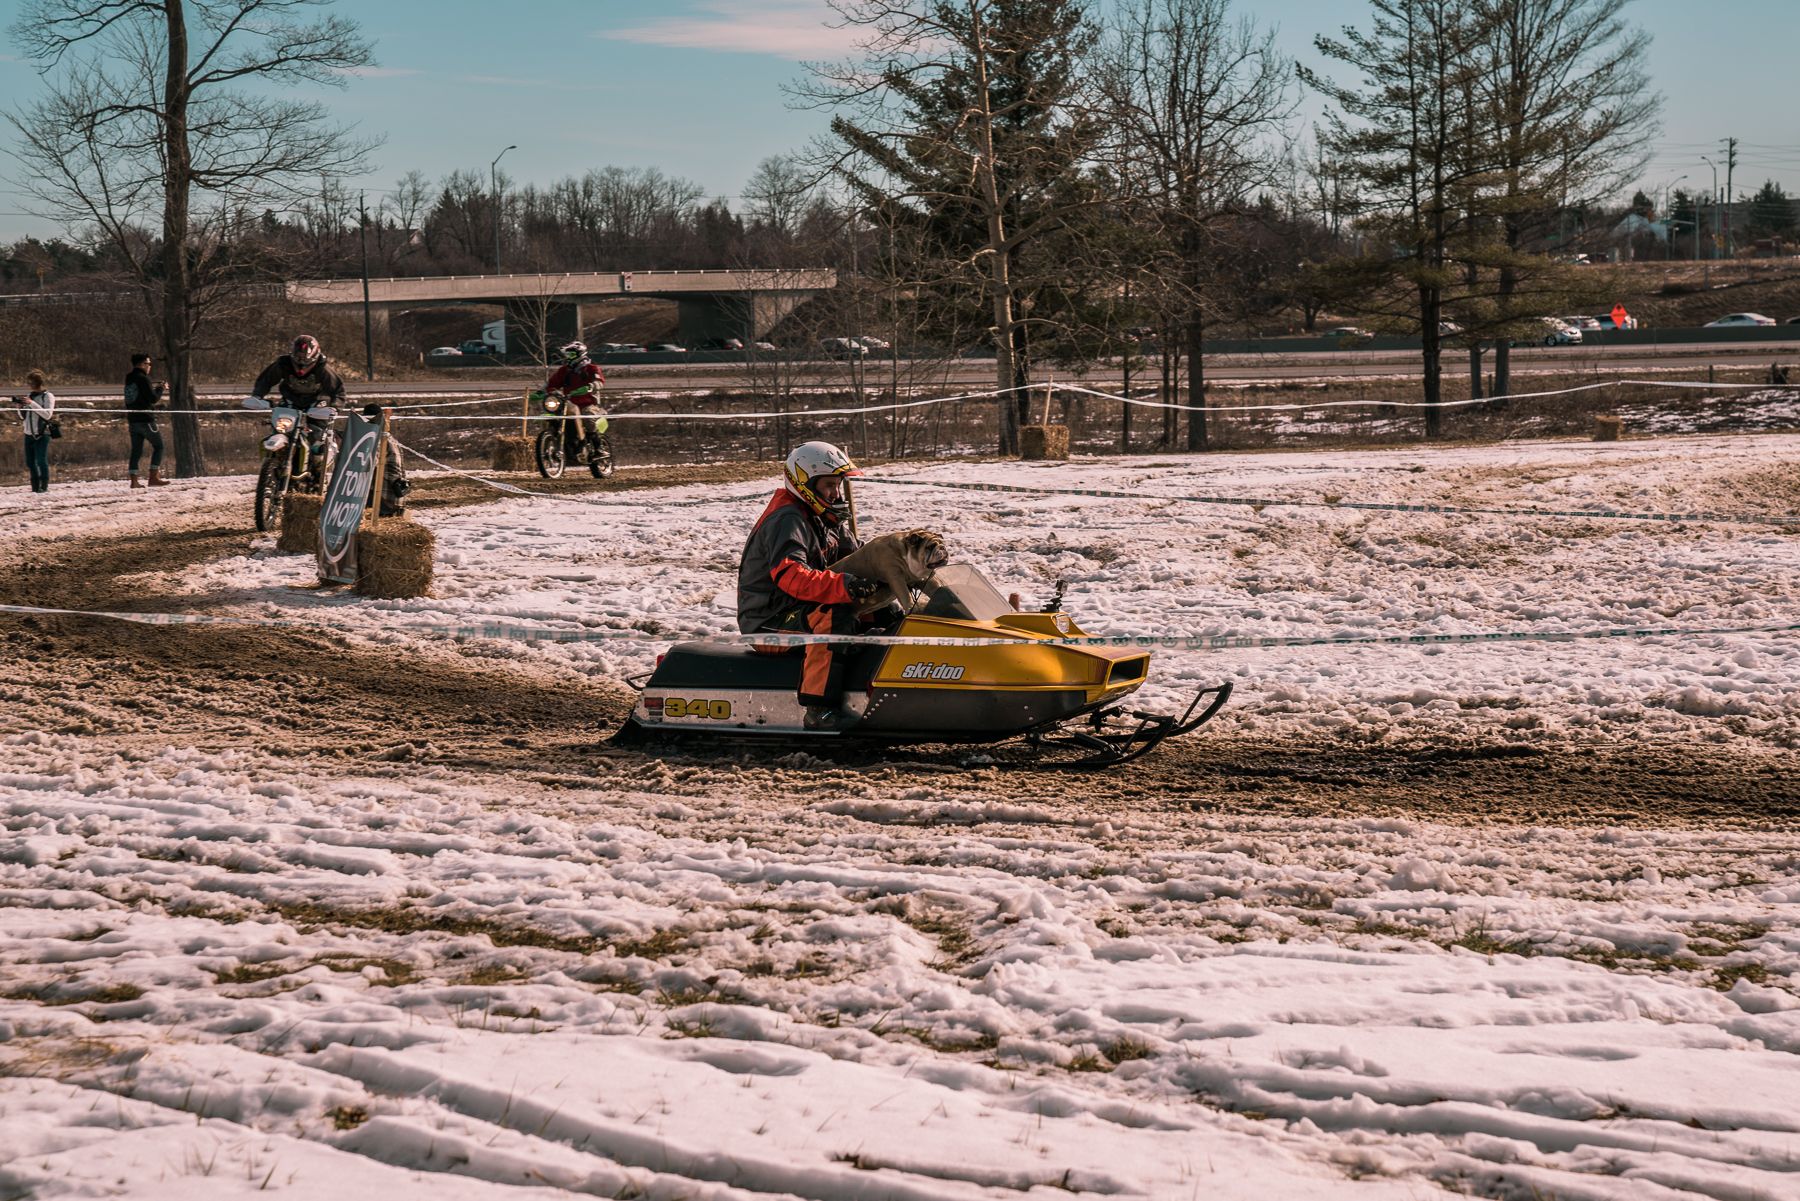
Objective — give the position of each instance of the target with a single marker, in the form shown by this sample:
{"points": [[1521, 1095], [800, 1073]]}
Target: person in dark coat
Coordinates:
{"points": [[141, 397], [784, 579], [304, 379]]}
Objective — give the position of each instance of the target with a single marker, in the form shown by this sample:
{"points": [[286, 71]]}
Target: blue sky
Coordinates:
{"points": [[694, 87]]}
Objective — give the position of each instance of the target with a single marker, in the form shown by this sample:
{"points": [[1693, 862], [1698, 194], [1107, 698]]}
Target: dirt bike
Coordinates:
{"points": [[551, 444], [289, 461]]}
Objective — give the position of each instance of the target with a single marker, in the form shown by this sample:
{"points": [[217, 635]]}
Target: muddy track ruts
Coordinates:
{"points": [[134, 689]]}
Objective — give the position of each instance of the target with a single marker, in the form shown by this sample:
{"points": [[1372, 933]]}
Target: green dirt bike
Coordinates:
{"points": [[288, 459], [555, 445]]}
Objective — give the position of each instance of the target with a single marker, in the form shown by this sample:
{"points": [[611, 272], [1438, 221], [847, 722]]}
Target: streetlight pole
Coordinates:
{"points": [[1715, 200], [494, 186], [1669, 217]]}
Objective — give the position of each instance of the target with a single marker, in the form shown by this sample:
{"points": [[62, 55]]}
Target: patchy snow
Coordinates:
{"points": [[227, 973], [652, 571]]}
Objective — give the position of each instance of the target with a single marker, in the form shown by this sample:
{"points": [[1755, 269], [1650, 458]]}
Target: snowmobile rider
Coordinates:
{"points": [[784, 581], [305, 379], [578, 371]]}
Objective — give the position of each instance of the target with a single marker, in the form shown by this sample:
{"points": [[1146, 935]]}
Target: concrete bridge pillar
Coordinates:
{"points": [[705, 318], [535, 328]]}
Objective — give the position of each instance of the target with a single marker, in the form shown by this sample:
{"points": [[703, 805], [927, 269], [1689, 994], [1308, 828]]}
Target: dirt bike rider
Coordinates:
{"points": [[305, 379], [784, 581], [578, 371]]}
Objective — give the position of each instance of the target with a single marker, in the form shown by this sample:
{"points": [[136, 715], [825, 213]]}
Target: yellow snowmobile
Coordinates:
{"points": [[1054, 696]]}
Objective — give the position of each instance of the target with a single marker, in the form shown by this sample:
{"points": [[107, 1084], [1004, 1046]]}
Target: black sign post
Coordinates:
{"points": [[347, 496]]}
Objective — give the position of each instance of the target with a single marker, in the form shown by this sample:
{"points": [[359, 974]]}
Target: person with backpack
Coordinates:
{"points": [[38, 412], [141, 397]]}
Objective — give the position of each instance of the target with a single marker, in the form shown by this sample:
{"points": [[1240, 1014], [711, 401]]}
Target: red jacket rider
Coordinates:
{"points": [[577, 371]]}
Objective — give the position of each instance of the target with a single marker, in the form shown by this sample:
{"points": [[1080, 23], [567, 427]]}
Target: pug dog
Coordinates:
{"points": [[901, 563]]}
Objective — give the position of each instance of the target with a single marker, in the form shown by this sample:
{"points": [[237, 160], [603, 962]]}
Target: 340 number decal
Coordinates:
{"points": [[675, 706]]}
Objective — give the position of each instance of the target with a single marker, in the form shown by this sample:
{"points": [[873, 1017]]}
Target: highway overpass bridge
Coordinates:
{"points": [[727, 303]]}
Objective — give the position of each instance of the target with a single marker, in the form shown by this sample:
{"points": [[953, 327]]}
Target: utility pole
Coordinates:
{"points": [[494, 186], [362, 207], [1731, 145]]}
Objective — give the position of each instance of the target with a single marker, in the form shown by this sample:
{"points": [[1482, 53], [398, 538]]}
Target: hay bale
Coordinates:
{"points": [[299, 523], [1608, 427], [393, 558], [514, 452], [1044, 442]]}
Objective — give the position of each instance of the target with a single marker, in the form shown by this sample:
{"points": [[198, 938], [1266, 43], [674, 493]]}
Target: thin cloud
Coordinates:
{"points": [[374, 72], [795, 29]]}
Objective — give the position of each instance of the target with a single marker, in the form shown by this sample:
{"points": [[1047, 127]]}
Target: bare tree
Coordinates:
{"points": [[1405, 129], [161, 113], [967, 110], [1570, 108], [1195, 101]]}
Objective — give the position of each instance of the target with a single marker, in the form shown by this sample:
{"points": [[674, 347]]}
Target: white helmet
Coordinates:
{"points": [[810, 461]]}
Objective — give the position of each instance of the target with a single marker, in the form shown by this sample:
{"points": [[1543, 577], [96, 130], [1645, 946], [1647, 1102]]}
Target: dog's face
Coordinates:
{"points": [[923, 552]]}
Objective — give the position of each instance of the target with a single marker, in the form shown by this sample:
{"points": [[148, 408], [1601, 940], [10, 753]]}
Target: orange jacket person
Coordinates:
{"points": [[784, 581]]}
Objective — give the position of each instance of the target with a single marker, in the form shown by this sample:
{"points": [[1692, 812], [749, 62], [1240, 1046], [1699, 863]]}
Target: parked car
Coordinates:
{"points": [[1355, 333], [438, 352], [1583, 323], [1792, 321], [1447, 329], [476, 346], [765, 347], [722, 344], [1732, 319], [872, 343], [843, 348], [665, 348], [1559, 333]]}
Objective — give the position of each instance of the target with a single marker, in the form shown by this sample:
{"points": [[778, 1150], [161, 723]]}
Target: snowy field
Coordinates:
{"points": [[229, 972]]}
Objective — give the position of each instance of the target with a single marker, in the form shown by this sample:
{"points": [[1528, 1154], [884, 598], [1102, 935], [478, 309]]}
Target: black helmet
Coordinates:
{"points": [[306, 352]]}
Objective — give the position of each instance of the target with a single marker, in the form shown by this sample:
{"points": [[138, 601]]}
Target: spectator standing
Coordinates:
{"points": [[38, 411], [141, 397]]}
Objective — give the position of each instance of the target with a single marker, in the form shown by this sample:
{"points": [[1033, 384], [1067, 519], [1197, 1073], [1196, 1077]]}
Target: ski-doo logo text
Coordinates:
{"points": [[932, 671]]}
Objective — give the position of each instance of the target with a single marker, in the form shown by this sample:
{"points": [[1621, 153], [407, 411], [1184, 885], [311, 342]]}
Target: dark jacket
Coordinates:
{"points": [[784, 563], [141, 397], [299, 391]]}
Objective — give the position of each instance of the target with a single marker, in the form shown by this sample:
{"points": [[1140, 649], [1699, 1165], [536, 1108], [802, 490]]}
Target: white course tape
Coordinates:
{"points": [[513, 631], [1401, 404], [580, 499], [721, 416], [1262, 502]]}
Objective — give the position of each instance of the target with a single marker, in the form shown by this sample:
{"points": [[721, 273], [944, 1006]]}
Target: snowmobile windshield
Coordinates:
{"points": [[964, 593]]}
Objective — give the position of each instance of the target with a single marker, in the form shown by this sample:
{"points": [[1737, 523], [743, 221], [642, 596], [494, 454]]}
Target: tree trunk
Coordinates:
{"points": [[998, 256], [1430, 312], [1196, 350], [1475, 371], [178, 347]]}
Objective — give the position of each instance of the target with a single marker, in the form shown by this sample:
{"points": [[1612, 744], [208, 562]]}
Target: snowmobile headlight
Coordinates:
{"points": [[1063, 624], [284, 425]]}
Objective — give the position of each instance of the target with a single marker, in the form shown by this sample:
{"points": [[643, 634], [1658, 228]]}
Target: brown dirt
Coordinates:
{"points": [[134, 689]]}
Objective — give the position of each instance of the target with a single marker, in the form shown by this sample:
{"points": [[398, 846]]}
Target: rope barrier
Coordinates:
{"points": [[1264, 502], [513, 631], [988, 394], [1400, 404], [602, 502]]}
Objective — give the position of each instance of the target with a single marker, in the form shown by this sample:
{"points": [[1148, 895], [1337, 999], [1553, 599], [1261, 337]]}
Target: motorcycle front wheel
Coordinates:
{"points": [[549, 449], [271, 486], [600, 457]]}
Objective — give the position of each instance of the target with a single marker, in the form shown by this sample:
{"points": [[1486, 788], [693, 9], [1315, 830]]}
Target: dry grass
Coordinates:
{"points": [[1044, 442], [394, 557], [299, 523], [513, 452]]}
